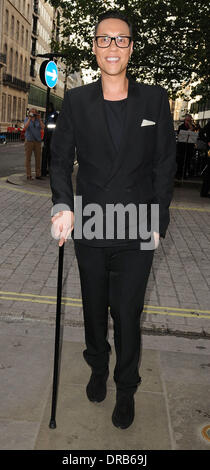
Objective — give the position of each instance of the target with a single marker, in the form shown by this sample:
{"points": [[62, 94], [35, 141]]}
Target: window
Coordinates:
{"points": [[22, 36], [17, 30], [24, 7], [12, 26], [16, 64], [32, 68], [9, 102], [21, 66], [5, 52], [26, 39], [14, 111], [3, 109], [23, 109], [6, 21], [19, 110], [34, 30], [10, 61], [28, 10], [25, 70]]}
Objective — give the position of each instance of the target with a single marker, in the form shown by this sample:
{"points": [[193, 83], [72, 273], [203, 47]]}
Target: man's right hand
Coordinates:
{"points": [[63, 224]]}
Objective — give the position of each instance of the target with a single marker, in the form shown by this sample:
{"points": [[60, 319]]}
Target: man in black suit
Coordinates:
{"points": [[126, 149]]}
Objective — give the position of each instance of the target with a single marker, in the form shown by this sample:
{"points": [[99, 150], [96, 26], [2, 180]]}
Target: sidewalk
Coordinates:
{"points": [[172, 404], [177, 297]]}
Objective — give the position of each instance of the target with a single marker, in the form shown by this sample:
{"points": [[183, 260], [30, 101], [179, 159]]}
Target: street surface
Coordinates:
{"points": [[12, 158]]}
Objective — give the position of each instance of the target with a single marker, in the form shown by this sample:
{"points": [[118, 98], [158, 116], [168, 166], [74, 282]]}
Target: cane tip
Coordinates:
{"points": [[52, 424]]}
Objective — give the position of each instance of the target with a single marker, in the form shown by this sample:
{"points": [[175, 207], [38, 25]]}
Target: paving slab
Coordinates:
{"points": [[189, 406], [85, 425], [18, 435], [25, 371], [172, 403]]}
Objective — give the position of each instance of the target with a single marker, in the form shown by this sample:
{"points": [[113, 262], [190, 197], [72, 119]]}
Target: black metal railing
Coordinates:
{"points": [[15, 82]]}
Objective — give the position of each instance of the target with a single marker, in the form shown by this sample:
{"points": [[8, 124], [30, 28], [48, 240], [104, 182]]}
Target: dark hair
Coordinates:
{"points": [[114, 14]]}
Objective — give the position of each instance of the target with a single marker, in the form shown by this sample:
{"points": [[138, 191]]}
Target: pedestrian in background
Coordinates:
{"points": [[205, 136], [33, 125], [185, 150]]}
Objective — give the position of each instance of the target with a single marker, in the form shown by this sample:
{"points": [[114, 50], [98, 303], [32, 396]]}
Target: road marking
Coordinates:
{"points": [[37, 295], [37, 301], [74, 302], [26, 191], [182, 208]]}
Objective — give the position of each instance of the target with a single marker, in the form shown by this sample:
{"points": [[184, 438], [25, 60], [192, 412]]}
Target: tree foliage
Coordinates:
{"points": [[171, 40]]}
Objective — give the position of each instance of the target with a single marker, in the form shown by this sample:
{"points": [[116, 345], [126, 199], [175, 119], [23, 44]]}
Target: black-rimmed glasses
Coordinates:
{"points": [[120, 41]]}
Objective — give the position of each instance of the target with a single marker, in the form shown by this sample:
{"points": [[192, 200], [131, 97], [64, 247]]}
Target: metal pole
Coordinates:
{"points": [[45, 150]]}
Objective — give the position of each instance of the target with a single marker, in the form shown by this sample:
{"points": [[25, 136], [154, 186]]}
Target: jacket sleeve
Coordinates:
{"points": [[62, 157], [164, 165]]}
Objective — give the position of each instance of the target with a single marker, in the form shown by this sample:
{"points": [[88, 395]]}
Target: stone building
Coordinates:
{"points": [[26, 29], [15, 47], [46, 24]]}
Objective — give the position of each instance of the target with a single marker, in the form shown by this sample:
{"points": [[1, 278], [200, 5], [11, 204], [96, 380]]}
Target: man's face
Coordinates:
{"points": [[33, 111], [112, 27]]}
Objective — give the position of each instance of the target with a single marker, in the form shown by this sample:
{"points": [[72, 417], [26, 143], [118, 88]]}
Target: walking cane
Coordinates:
{"points": [[52, 423]]}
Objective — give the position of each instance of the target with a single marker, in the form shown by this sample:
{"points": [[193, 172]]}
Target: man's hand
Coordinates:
{"points": [[157, 239], [63, 224]]}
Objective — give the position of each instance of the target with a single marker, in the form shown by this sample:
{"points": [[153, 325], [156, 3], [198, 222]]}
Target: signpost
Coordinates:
{"points": [[49, 76]]}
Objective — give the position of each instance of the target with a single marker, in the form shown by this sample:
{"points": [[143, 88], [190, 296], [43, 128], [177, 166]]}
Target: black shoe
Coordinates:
{"points": [[39, 178], [124, 411], [96, 387]]}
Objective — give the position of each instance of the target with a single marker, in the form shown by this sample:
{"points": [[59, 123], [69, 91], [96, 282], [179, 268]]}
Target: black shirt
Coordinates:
{"points": [[116, 112]]}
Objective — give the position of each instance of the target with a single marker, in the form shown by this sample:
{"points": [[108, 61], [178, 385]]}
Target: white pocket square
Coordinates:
{"points": [[146, 122]]}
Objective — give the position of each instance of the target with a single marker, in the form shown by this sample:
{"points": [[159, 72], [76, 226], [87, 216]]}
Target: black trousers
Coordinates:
{"points": [[116, 277], [206, 179], [184, 158]]}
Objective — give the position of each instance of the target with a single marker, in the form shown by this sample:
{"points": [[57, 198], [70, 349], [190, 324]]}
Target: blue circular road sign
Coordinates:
{"points": [[51, 74]]}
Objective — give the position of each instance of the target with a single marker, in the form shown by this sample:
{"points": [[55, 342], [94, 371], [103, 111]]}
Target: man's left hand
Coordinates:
{"points": [[157, 239]]}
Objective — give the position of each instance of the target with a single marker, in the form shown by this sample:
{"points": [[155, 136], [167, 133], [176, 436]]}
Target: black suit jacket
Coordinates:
{"points": [[143, 169]]}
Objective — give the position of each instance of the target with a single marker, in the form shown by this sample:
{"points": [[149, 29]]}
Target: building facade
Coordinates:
{"points": [[15, 44], [2, 56], [26, 29], [46, 25], [200, 111], [197, 107]]}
